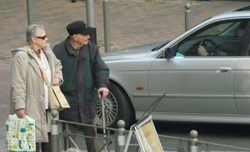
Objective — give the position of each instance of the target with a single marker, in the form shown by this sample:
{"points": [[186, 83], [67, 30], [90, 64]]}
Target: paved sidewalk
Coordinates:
{"points": [[132, 23]]}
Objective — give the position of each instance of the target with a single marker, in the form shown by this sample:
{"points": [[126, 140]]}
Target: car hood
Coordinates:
{"points": [[133, 52]]}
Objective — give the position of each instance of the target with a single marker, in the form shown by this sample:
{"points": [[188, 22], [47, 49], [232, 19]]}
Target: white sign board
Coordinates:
{"points": [[147, 136]]}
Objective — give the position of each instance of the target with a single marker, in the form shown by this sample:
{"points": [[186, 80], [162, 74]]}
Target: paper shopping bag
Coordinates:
{"points": [[57, 99], [20, 134]]}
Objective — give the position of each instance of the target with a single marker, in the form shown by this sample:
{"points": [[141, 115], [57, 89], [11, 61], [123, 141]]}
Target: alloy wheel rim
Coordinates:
{"points": [[110, 110]]}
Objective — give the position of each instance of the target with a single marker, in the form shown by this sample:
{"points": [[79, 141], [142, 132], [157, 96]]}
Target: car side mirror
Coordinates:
{"points": [[166, 53]]}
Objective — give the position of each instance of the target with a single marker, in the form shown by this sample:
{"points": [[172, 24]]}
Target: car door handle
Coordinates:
{"points": [[224, 69]]}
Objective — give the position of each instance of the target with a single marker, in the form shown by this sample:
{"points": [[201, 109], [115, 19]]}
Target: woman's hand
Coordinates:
{"points": [[56, 81], [20, 113]]}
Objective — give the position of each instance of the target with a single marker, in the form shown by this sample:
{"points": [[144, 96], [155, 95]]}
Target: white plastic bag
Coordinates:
{"points": [[20, 134]]}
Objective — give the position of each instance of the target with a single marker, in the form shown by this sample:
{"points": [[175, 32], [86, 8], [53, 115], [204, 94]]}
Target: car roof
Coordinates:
{"points": [[241, 11]]}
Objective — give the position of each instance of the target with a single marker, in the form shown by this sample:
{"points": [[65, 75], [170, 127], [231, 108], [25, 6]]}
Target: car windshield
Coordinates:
{"points": [[220, 38]]}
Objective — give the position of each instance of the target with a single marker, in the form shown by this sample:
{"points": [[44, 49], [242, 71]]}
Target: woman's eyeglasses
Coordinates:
{"points": [[42, 37]]}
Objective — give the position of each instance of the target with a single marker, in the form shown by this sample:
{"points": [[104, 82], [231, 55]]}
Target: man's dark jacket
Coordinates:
{"points": [[83, 74]]}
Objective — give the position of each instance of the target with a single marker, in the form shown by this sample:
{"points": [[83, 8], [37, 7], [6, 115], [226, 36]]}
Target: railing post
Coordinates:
{"points": [[121, 140], [54, 131], [187, 17], [193, 142]]}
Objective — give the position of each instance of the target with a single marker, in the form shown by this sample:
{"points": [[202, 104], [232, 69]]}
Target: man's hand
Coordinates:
{"points": [[221, 53], [20, 113], [202, 51], [105, 92]]}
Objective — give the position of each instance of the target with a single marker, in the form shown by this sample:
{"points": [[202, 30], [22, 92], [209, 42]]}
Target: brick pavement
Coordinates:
{"points": [[132, 23]]}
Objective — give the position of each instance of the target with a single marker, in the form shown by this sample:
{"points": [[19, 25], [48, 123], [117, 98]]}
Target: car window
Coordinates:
{"points": [[217, 39]]}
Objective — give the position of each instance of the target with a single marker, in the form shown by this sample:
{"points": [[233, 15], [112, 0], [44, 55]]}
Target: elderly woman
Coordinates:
{"points": [[29, 93]]}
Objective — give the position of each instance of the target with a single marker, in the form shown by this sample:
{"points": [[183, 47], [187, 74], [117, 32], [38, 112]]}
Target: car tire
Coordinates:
{"points": [[117, 107], [73, 1]]}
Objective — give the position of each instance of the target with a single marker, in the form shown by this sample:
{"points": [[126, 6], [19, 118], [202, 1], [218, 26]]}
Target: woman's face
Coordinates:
{"points": [[41, 40]]}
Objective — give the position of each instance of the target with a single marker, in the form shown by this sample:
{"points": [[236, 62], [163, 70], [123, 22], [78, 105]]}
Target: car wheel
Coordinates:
{"points": [[116, 107], [73, 1]]}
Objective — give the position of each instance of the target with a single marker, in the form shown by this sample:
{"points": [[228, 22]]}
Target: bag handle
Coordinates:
{"points": [[39, 64], [15, 117]]}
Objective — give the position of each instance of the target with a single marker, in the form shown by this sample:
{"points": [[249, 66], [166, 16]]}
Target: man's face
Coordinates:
{"points": [[82, 39]]}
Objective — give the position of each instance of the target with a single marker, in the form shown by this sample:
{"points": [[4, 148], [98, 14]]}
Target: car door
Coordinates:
{"points": [[242, 85], [242, 77], [199, 82]]}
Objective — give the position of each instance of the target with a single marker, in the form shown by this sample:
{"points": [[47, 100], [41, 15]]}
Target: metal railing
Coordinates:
{"points": [[120, 136], [195, 145], [58, 134]]}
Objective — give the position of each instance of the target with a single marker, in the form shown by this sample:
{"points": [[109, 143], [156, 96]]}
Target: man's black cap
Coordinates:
{"points": [[79, 27]]}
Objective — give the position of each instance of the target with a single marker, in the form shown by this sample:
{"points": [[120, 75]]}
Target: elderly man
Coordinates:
{"points": [[85, 76]]}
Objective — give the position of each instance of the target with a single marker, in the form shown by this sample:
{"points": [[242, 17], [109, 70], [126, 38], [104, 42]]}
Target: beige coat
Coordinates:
{"points": [[27, 87]]}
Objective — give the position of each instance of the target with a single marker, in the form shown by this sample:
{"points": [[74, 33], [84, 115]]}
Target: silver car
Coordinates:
{"points": [[205, 72]]}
